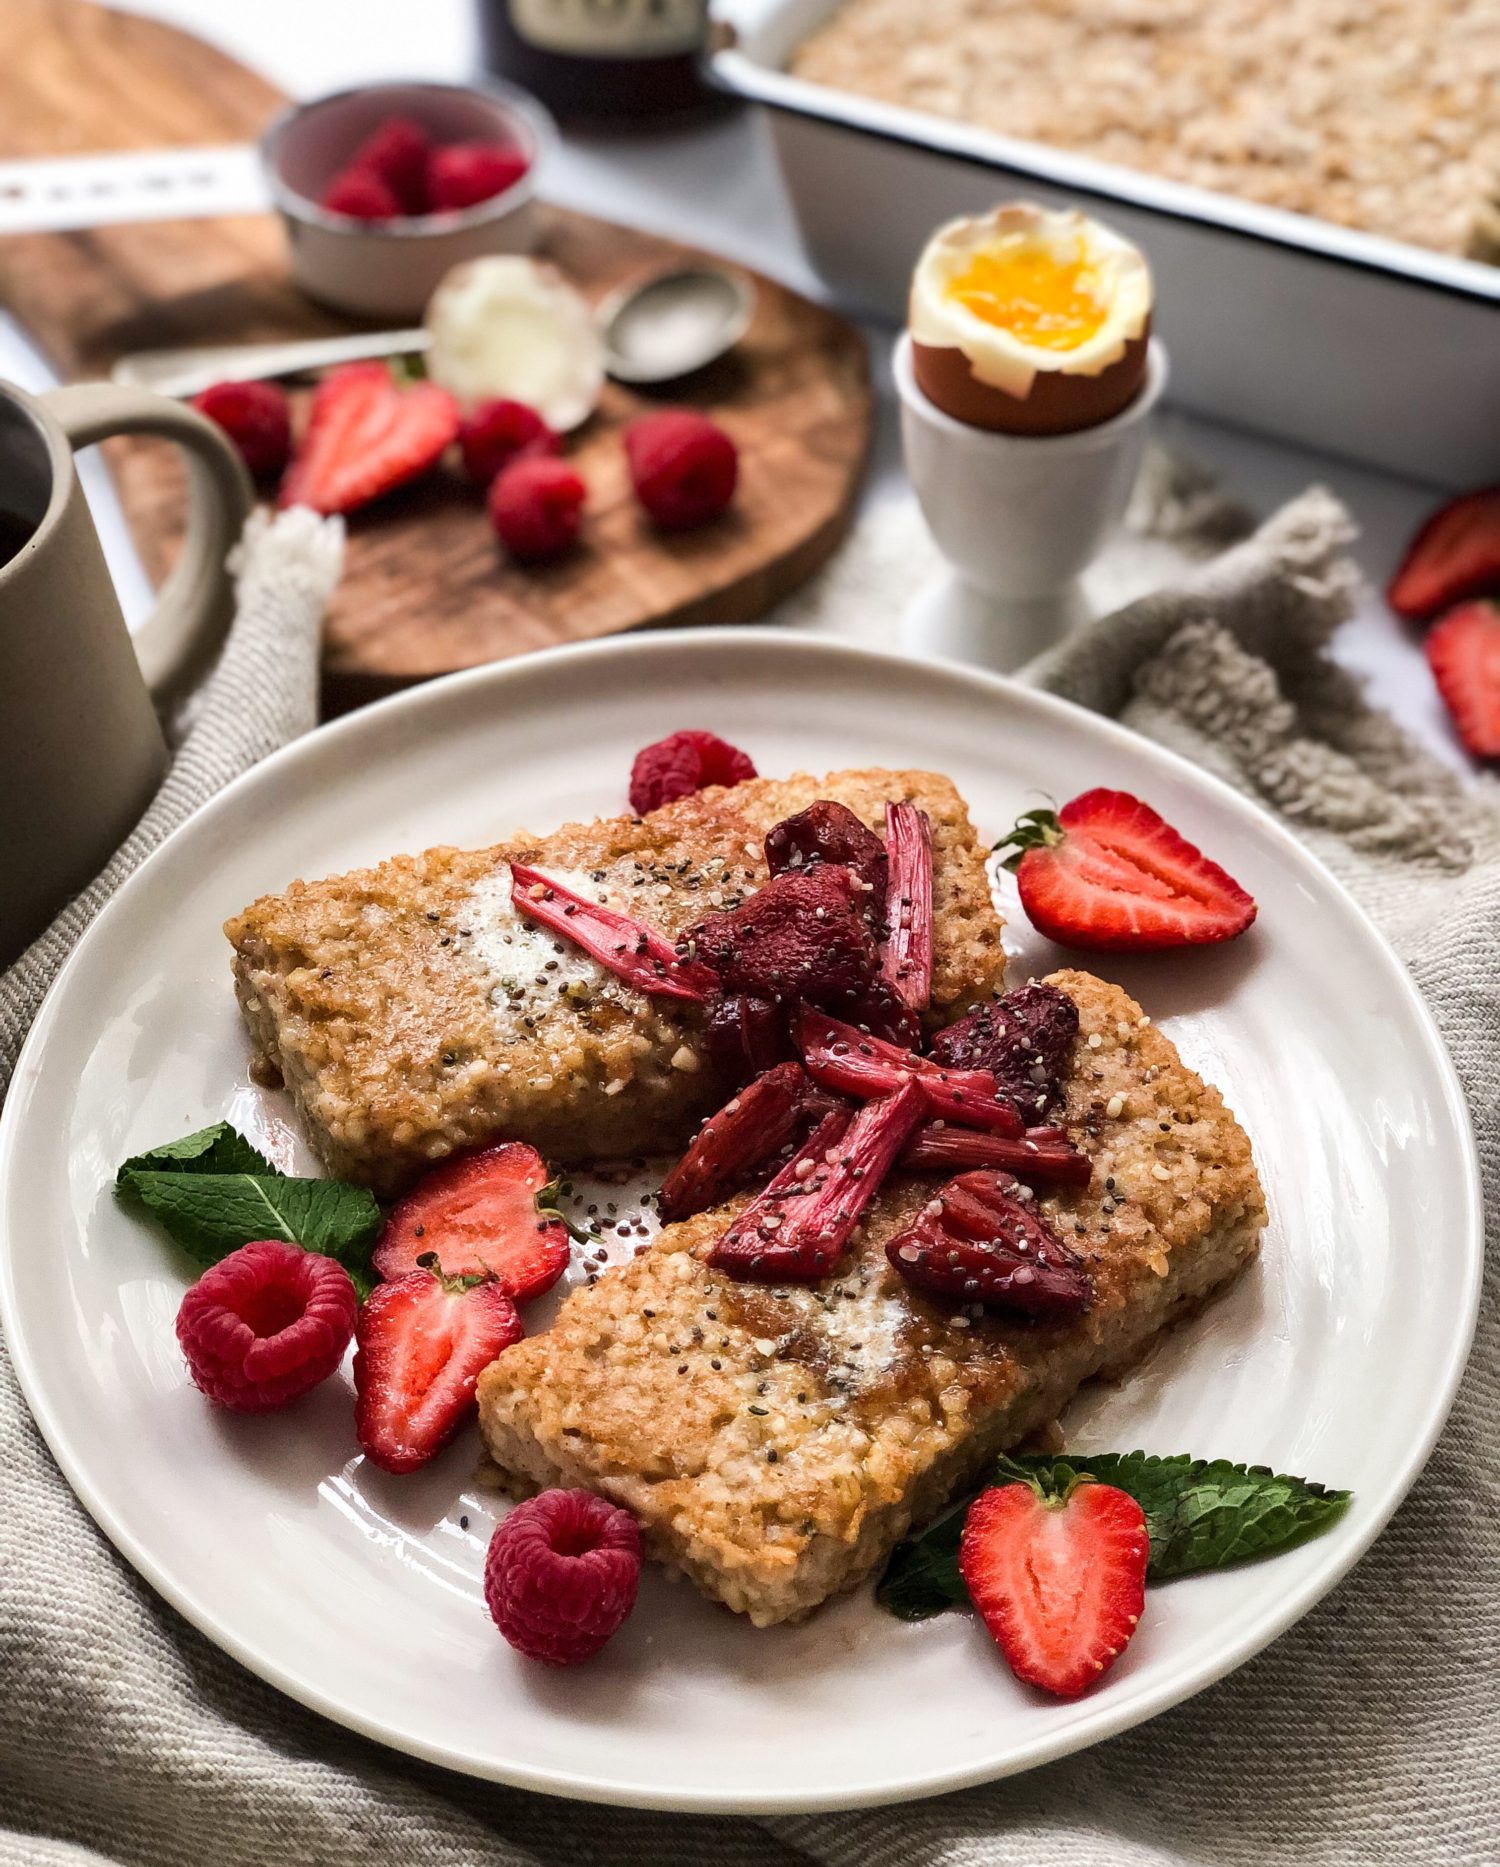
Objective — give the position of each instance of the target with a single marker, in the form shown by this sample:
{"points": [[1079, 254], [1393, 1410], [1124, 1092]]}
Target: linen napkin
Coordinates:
{"points": [[1368, 1734]]}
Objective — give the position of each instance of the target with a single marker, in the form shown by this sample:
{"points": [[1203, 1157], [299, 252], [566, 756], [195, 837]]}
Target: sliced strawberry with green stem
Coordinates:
{"points": [[488, 1214], [850, 1061], [1463, 651], [1059, 1578], [367, 435], [629, 949], [421, 1343], [1106, 873], [1455, 555]]}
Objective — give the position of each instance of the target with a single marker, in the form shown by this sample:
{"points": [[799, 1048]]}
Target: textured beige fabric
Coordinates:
{"points": [[1368, 1735]]}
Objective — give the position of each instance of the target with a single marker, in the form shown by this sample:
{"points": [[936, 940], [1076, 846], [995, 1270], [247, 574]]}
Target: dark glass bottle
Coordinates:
{"points": [[600, 59]]}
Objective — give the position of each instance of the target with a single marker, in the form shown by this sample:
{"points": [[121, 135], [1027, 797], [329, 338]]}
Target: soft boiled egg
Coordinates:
{"points": [[513, 327], [1030, 321]]}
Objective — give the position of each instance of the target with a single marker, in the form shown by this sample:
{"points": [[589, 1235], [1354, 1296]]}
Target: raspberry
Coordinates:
{"points": [[1024, 1039], [464, 174], [536, 506], [398, 152], [361, 195], [804, 935], [683, 467], [257, 418], [681, 764], [266, 1324], [500, 431], [561, 1575]]}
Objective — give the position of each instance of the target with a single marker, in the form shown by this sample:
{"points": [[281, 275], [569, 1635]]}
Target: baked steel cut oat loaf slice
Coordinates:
{"points": [[412, 1013], [775, 1443]]}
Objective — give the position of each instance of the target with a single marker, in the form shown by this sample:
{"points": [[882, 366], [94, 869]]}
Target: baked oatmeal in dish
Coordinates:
{"points": [[412, 1013], [1383, 117], [774, 1441]]}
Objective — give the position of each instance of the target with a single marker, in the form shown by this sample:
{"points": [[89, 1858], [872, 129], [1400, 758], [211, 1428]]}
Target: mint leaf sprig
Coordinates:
{"points": [[1200, 1514], [213, 1192]]}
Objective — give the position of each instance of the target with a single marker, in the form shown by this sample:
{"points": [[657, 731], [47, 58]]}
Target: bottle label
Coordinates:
{"points": [[611, 28]]}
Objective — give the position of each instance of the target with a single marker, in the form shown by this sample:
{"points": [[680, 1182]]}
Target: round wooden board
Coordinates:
{"points": [[426, 588]]}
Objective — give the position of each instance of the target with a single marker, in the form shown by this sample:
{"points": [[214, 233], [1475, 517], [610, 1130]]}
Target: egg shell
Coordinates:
{"points": [[1058, 402]]}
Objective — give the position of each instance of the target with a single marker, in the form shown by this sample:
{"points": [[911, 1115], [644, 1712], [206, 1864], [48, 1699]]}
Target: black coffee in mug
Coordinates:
{"points": [[14, 533]]}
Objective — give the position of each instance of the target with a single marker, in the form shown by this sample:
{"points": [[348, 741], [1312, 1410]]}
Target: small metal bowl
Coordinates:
{"points": [[389, 269]]}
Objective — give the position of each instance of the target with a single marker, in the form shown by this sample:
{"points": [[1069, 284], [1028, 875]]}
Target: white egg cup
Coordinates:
{"points": [[1020, 517]]}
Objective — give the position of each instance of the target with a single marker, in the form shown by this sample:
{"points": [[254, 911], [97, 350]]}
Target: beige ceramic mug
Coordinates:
{"points": [[81, 747]]}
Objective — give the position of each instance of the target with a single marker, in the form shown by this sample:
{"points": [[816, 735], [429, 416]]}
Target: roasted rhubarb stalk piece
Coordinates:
{"points": [[798, 1228], [906, 960], [855, 1064], [629, 949], [751, 1129], [1041, 1156], [981, 1239]]}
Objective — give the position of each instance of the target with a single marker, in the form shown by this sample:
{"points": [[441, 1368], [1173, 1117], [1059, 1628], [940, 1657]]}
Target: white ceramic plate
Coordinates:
{"points": [[359, 1593]]}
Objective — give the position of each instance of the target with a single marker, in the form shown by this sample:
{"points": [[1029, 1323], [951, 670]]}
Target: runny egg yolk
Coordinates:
{"points": [[1046, 302]]}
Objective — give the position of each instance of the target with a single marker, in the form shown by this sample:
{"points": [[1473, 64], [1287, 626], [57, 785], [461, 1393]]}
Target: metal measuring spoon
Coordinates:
{"points": [[675, 323]]}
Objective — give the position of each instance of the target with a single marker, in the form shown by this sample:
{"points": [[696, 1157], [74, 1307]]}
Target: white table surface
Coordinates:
{"points": [[658, 181]]}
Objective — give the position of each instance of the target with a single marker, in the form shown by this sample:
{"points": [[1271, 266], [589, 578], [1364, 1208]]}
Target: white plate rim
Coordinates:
{"points": [[1107, 1718]]}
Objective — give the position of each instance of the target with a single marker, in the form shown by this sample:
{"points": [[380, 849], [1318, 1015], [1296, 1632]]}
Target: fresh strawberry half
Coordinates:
{"points": [[1455, 555], [1108, 874], [1463, 651], [366, 436], [420, 1345], [1058, 1578], [482, 1215]]}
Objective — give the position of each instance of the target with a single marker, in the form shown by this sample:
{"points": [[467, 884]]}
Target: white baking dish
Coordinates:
{"points": [[1345, 341]]}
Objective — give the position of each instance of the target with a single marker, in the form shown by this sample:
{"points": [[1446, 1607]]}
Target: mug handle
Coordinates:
{"points": [[197, 600]]}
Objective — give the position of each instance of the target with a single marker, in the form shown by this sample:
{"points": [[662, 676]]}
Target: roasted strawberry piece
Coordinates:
{"points": [[1059, 1579], [361, 196], [397, 151], [1024, 1039], [830, 832], [746, 1036], [797, 1229], [461, 175], [682, 763], [1455, 555], [421, 1343], [1463, 651], [480, 1215], [366, 436], [638, 954], [906, 957], [982, 1240], [849, 1061], [750, 1131], [1040, 1157], [878, 1011], [1107, 874], [804, 935]]}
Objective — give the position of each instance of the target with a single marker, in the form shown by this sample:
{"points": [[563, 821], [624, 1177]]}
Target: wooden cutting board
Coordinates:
{"points": [[426, 589]]}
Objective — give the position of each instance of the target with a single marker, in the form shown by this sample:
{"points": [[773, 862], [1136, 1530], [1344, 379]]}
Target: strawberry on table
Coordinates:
{"points": [[1106, 873], [366, 436], [421, 1343], [1455, 555], [481, 1215], [1059, 1579], [1463, 651]]}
